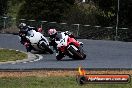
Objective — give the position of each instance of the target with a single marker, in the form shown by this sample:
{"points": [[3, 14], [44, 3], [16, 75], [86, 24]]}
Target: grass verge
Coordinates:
{"points": [[52, 82], [54, 79], [11, 55]]}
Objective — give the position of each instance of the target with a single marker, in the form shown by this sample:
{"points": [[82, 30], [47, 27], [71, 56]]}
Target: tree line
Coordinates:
{"points": [[93, 12]]}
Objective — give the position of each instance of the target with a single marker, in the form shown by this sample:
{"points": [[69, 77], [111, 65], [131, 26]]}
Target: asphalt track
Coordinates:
{"points": [[101, 54]]}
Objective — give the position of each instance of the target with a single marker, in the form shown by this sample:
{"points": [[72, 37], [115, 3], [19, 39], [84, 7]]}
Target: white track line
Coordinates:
{"points": [[31, 61], [40, 57], [24, 62], [13, 63]]}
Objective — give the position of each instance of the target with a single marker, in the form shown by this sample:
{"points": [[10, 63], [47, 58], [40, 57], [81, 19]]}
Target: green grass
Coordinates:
{"points": [[11, 55], [53, 82]]}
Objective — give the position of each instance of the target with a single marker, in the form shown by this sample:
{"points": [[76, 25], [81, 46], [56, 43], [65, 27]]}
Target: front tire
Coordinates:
{"points": [[76, 54], [28, 48], [59, 55], [47, 48]]}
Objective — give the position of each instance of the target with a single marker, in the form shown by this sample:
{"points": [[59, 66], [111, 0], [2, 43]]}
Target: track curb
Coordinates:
{"points": [[30, 57]]}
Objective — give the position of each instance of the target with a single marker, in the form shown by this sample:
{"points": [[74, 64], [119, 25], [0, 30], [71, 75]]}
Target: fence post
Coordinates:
{"points": [[126, 29], [42, 25], [78, 27], [4, 23], [64, 26], [108, 29]]}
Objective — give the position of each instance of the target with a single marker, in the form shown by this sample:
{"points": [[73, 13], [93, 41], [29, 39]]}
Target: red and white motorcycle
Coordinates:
{"points": [[70, 47]]}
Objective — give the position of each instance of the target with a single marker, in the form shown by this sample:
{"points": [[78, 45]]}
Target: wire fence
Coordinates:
{"points": [[8, 25]]}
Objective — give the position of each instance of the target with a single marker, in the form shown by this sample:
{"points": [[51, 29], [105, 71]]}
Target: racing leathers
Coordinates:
{"points": [[56, 37], [23, 40]]}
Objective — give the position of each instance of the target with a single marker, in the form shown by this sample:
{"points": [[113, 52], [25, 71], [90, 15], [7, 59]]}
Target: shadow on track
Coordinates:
{"points": [[39, 52]]}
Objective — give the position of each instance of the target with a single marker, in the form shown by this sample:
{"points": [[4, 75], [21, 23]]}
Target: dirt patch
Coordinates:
{"points": [[12, 29], [46, 73]]}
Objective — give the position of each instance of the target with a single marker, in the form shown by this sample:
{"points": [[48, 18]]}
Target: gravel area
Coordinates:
{"points": [[63, 73]]}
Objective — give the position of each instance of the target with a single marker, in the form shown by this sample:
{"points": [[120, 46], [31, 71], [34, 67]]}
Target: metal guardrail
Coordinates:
{"points": [[79, 30]]}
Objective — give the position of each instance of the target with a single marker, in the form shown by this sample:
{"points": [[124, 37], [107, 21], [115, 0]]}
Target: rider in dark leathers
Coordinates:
{"points": [[23, 32], [54, 36]]}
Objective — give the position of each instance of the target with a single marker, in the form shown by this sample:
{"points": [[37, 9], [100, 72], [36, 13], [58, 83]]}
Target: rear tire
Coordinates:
{"points": [[76, 54]]}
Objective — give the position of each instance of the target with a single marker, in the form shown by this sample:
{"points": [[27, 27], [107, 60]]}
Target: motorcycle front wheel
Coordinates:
{"points": [[47, 48], [76, 54], [28, 48]]}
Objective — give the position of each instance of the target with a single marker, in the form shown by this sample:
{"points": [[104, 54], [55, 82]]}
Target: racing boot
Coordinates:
{"points": [[81, 44]]}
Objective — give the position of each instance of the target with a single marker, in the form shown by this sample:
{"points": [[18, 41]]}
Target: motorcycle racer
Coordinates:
{"points": [[24, 29], [55, 36], [33, 40], [22, 34]]}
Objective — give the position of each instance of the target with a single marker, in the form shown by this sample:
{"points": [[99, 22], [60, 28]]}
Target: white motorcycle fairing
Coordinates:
{"points": [[36, 38], [63, 40]]}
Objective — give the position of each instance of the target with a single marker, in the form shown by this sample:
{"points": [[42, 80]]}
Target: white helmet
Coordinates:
{"points": [[52, 31]]}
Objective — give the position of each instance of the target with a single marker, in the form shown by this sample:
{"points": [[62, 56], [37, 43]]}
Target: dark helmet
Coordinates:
{"points": [[22, 26]]}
